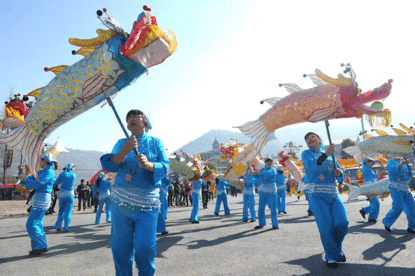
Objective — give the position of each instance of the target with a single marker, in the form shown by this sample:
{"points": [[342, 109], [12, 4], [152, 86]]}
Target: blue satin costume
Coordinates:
{"points": [[369, 176], [402, 199], [197, 187], [281, 192], [104, 198], [135, 205], [162, 216], [325, 202], [249, 198], [66, 197], [222, 197], [267, 196], [40, 203]]}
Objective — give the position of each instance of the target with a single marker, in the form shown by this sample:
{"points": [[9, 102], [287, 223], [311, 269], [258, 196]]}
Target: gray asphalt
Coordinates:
{"points": [[222, 245]]}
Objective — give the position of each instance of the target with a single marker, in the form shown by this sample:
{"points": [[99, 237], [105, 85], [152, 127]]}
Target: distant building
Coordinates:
{"points": [[338, 143], [213, 155]]}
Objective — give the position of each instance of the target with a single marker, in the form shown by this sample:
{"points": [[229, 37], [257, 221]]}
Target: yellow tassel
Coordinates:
{"points": [[103, 35]]}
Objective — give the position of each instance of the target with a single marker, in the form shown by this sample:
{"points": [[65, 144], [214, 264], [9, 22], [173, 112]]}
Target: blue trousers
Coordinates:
{"points": [[373, 209], [107, 202], [281, 193], [219, 199], [194, 216], [161, 220], [249, 202], [401, 202], [270, 200], [65, 213], [332, 223], [34, 227], [133, 237]]}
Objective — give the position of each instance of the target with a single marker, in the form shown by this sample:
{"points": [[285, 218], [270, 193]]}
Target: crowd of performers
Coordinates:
{"points": [[137, 203]]}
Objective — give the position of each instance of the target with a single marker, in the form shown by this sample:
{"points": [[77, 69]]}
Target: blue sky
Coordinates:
{"points": [[231, 55]]}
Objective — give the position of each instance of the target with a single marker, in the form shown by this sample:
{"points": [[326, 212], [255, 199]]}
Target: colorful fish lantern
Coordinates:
{"points": [[105, 70], [330, 99]]}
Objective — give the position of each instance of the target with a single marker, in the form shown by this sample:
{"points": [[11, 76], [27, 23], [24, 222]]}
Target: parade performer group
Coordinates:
{"points": [[136, 195], [42, 184], [66, 197], [321, 172]]}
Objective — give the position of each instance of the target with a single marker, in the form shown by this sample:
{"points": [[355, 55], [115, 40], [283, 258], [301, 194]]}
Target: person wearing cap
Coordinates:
{"points": [[249, 196], [136, 196], [281, 193], [267, 194], [402, 200], [323, 196], [221, 196], [162, 215], [369, 176], [67, 180], [42, 184], [102, 187]]}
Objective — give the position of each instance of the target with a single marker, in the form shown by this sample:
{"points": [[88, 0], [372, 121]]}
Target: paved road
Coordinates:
{"points": [[221, 245]]}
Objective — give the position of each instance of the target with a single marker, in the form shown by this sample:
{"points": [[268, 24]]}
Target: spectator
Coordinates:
{"points": [[82, 190]]}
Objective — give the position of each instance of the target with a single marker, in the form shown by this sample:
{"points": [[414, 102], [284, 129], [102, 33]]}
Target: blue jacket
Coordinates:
{"points": [[46, 179], [398, 174], [249, 180], [129, 174], [197, 185], [280, 180], [67, 178], [104, 187], [319, 174], [222, 185], [368, 174]]}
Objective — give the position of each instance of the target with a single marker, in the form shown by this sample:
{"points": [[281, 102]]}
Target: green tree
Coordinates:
{"points": [[345, 144], [213, 166]]}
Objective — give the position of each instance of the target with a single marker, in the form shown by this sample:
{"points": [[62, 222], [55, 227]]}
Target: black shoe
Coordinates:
{"points": [[108, 221], [164, 233], [195, 221], [310, 213], [279, 212], [362, 213], [38, 252], [332, 265], [216, 214], [284, 212], [253, 220], [245, 221], [411, 231], [258, 227], [372, 220], [387, 229], [228, 214], [58, 230], [275, 227]]}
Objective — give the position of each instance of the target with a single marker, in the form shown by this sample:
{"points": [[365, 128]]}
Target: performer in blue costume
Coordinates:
{"points": [[249, 196], [40, 202], [324, 198], [267, 194], [281, 193], [136, 196], [197, 187], [66, 197], [369, 176], [402, 199], [162, 216], [221, 196], [102, 187]]}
